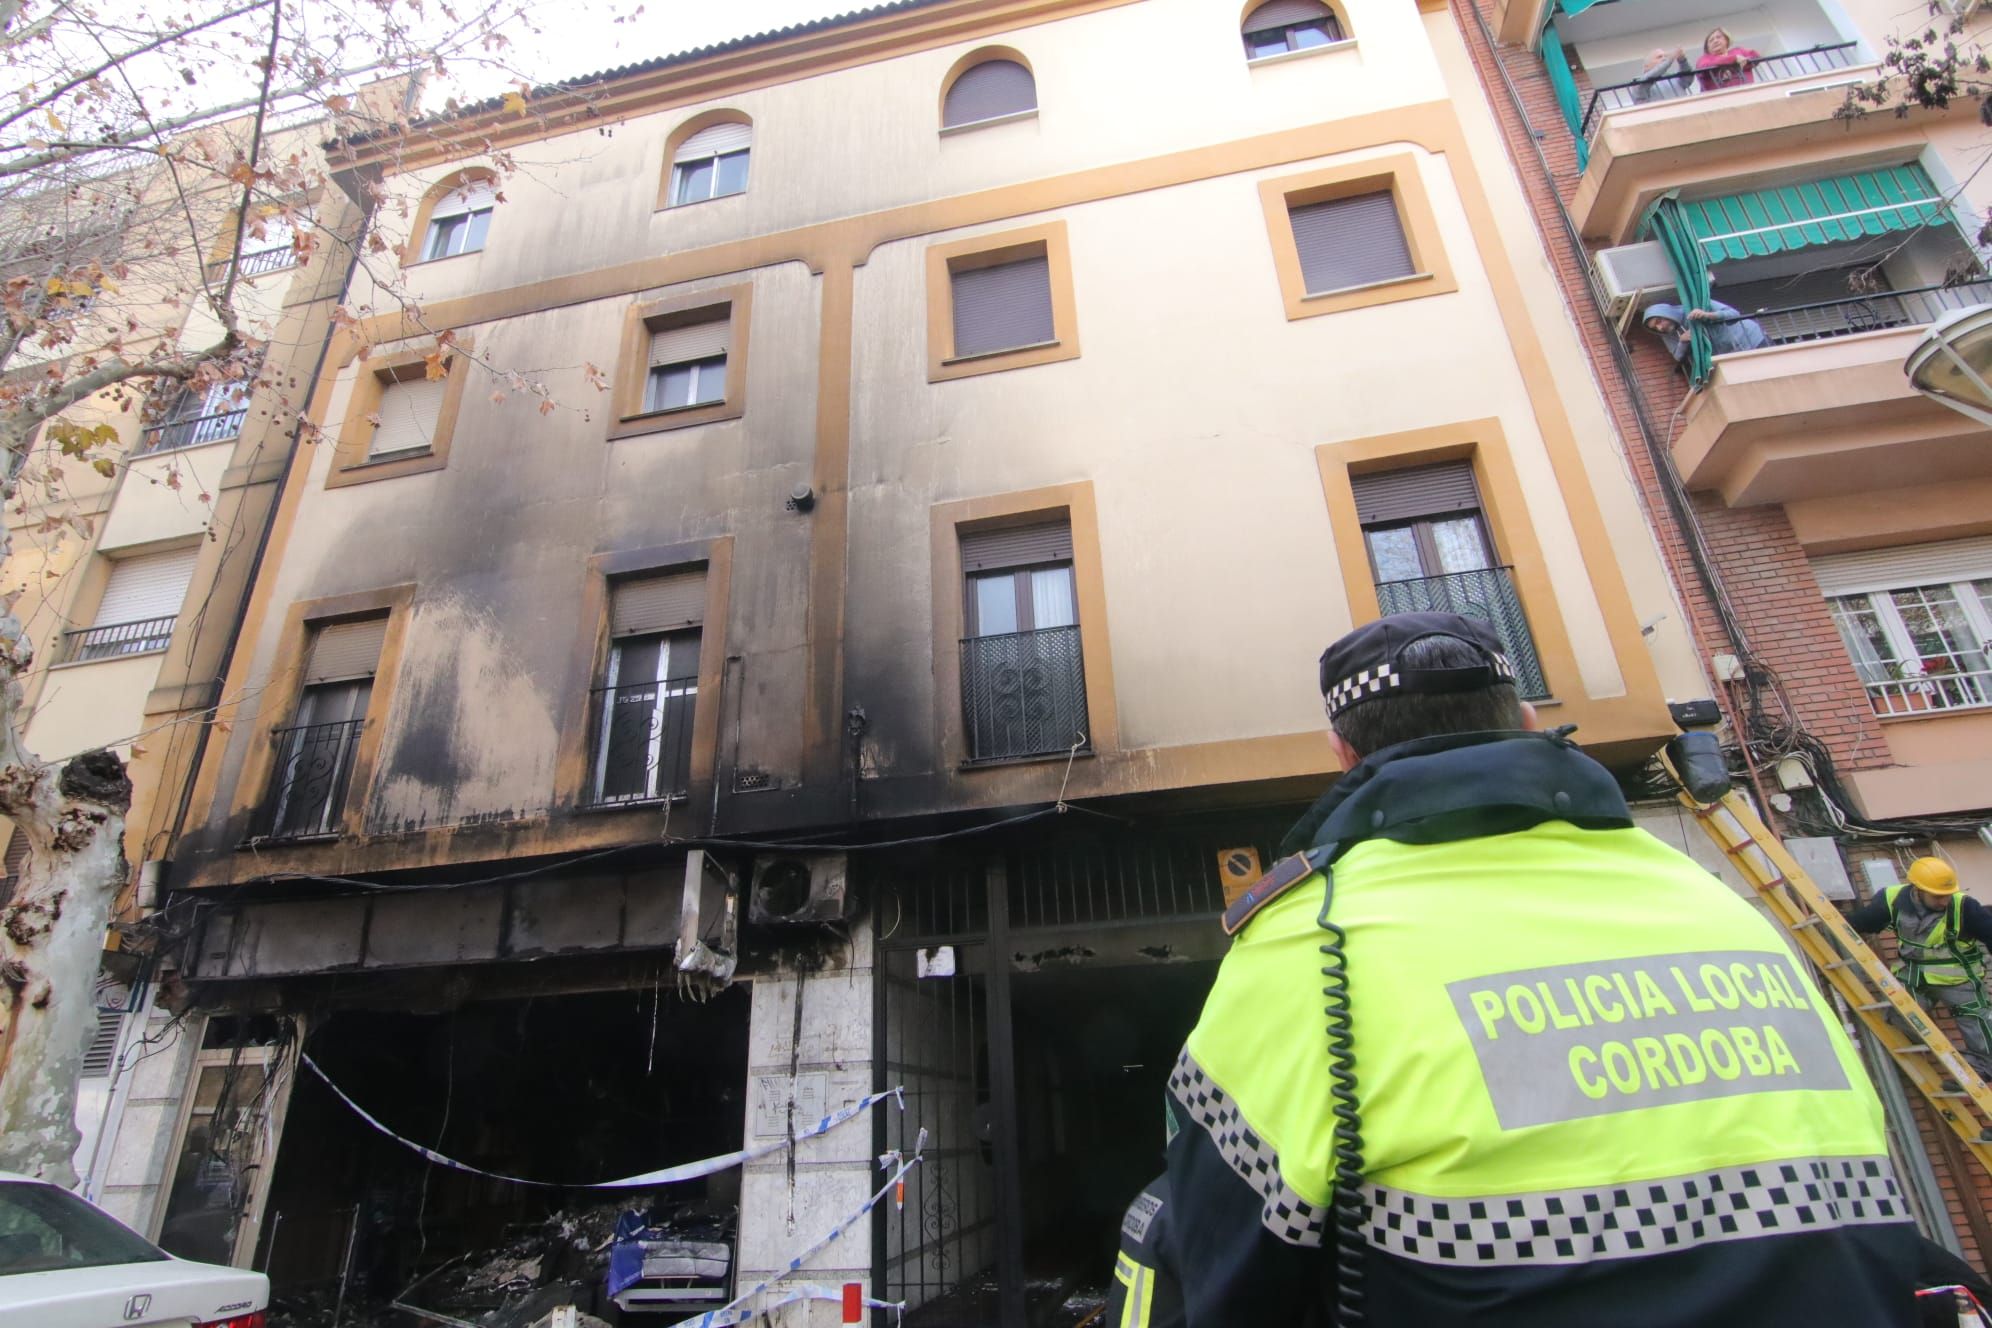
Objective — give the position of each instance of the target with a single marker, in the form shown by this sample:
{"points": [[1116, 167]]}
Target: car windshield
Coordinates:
{"points": [[43, 1228]]}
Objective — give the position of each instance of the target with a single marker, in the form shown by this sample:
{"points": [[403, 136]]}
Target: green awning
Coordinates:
{"points": [[1574, 7], [1667, 224], [1841, 207], [1563, 83]]}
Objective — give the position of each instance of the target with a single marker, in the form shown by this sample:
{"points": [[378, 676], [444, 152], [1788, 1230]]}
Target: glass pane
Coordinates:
{"points": [[732, 174], [681, 663], [1948, 652], [674, 748], [333, 702], [1308, 34], [654, 389], [43, 1228], [631, 723], [445, 237], [212, 1179], [1265, 43], [676, 388], [1867, 643], [710, 385], [1052, 598], [1460, 545], [1394, 550], [694, 181], [995, 604], [637, 658], [474, 232]]}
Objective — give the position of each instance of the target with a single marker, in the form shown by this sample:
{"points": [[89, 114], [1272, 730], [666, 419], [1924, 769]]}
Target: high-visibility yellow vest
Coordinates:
{"points": [[1944, 958], [1613, 1015]]}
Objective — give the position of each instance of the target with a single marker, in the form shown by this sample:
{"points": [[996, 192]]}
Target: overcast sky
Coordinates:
{"points": [[590, 41]]}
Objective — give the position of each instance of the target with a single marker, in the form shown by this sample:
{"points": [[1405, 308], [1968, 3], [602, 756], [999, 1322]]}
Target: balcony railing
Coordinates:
{"points": [[218, 428], [1865, 313], [644, 751], [1669, 87], [1961, 690], [111, 640], [1487, 594], [267, 260], [1024, 694], [314, 765]]}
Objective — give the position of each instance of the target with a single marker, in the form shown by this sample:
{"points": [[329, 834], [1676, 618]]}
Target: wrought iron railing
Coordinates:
{"points": [[110, 640], [314, 766], [1668, 87], [256, 263], [216, 428], [1488, 594], [644, 746], [1865, 313], [1024, 694], [1930, 691]]}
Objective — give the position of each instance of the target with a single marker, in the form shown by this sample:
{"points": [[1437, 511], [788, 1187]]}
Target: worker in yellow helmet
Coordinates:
{"points": [[1486, 1054], [1940, 935]]}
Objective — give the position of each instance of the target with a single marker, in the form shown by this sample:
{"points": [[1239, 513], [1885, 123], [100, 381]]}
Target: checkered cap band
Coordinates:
{"points": [[1284, 1213], [1637, 1218], [1366, 683]]}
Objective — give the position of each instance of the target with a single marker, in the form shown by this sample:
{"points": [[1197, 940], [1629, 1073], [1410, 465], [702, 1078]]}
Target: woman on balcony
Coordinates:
{"points": [[1724, 64]]}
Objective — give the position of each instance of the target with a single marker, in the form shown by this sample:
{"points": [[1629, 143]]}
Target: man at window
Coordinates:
{"points": [[1728, 330]]}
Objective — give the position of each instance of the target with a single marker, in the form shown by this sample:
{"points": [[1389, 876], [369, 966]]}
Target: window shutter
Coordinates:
{"points": [[1352, 241], [16, 862], [1285, 13], [346, 650], [1404, 495], [643, 605], [692, 341], [103, 1048], [473, 197], [1892, 569], [1002, 307], [1016, 546], [987, 90], [714, 140], [408, 414], [148, 586]]}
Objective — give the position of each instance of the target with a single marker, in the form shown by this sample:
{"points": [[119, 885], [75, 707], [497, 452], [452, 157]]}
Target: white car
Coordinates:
{"points": [[65, 1263]]}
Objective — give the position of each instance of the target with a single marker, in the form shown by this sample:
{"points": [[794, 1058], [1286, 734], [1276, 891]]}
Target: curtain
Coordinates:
{"points": [[1684, 253], [1557, 65]]}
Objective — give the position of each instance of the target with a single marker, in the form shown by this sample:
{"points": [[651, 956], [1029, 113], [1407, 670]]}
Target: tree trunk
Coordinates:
{"points": [[52, 933]]}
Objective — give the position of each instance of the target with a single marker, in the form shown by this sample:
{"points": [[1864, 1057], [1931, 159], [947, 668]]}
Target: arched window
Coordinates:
{"points": [[1280, 26], [711, 163], [460, 219], [989, 90]]}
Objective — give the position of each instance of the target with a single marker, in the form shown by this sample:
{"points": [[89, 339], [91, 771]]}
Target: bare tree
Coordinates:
{"points": [[150, 160]]}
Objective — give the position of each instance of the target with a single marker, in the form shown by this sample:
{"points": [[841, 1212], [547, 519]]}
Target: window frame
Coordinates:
{"points": [[416, 250], [983, 56], [683, 168], [1047, 241], [1333, 19], [440, 230], [633, 414], [667, 182], [352, 462], [598, 782], [1977, 614], [1398, 173]]}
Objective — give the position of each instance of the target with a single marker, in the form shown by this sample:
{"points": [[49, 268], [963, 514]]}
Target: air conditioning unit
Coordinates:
{"points": [[795, 888], [1631, 272]]}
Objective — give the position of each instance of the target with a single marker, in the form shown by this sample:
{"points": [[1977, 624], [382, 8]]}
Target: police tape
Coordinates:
{"points": [[735, 1313], [668, 1176]]}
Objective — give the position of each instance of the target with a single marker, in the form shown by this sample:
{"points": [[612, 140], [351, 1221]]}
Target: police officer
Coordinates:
{"points": [[1940, 938], [1566, 1076], [1144, 1292]]}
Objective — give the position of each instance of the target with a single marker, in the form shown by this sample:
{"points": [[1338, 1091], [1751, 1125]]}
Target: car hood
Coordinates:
{"points": [[102, 1297]]}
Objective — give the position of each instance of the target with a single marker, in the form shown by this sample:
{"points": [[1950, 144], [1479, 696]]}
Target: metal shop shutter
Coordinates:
{"points": [[1016, 546], [1405, 495], [987, 90], [1003, 307], [710, 336], [642, 606], [1355, 241], [146, 586], [346, 650], [408, 414], [1892, 569], [715, 140], [1286, 13]]}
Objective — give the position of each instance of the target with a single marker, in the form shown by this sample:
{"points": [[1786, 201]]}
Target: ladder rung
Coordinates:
{"points": [[1873, 1005], [1837, 964], [1806, 922], [1916, 1049]]}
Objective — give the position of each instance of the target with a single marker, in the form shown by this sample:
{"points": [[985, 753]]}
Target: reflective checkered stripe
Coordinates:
{"points": [[1366, 683], [1646, 1217], [1287, 1215]]}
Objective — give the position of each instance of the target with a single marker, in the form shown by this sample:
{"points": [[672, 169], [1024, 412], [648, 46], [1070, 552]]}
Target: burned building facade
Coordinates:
{"points": [[824, 593]]}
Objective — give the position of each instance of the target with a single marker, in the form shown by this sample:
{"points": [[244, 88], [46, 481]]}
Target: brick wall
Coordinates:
{"points": [[1772, 595]]}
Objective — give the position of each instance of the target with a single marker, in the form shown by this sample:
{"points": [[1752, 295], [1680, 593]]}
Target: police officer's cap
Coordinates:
{"points": [[1366, 664]]}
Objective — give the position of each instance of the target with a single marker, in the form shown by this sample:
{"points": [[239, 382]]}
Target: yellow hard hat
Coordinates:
{"points": [[1933, 876]]}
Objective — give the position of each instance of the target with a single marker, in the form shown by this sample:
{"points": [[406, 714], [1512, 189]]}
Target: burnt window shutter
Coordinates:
{"points": [[1354, 241], [1016, 546], [1422, 491], [343, 650], [987, 90], [643, 606], [1286, 13], [1002, 307], [710, 335]]}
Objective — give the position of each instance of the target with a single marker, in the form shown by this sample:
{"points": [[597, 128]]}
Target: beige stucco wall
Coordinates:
{"points": [[98, 704], [162, 495]]}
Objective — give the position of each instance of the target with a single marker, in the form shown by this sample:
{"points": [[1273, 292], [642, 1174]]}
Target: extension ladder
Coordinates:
{"points": [[1923, 1054]]}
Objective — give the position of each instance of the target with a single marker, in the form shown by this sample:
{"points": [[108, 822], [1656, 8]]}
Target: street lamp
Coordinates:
{"points": [[1953, 362]]}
